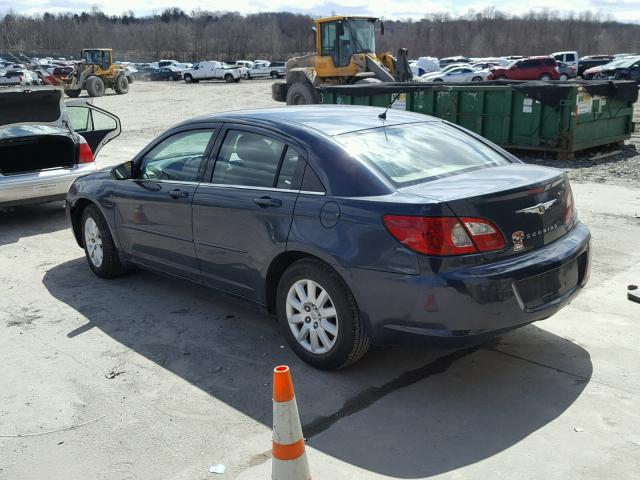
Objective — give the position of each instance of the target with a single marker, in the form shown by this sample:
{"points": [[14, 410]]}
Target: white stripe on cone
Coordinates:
{"points": [[286, 422], [297, 469]]}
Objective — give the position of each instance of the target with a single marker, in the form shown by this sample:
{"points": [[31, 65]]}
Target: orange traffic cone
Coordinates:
{"points": [[289, 456]]}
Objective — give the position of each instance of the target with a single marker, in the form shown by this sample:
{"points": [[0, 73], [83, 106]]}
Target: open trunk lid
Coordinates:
{"points": [[31, 106], [526, 202]]}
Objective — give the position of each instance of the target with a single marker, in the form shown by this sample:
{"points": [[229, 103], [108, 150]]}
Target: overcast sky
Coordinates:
{"points": [[623, 10]]}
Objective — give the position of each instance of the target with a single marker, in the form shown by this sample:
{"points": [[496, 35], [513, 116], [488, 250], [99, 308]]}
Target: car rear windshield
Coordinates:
{"points": [[418, 152]]}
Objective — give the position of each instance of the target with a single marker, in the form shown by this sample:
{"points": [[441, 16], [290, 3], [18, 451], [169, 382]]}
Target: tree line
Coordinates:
{"points": [[227, 36]]}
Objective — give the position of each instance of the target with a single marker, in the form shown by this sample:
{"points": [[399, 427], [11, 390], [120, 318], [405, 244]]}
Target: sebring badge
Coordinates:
{"points": [[518, 240], [539, 208]]}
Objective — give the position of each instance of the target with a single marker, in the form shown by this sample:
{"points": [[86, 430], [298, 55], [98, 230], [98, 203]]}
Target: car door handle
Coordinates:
{"points": [[265, 202], [178, 194]]}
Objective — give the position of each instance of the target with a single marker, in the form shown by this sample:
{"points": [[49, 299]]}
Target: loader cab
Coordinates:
{"points": [[342, 37], [97, 56]]}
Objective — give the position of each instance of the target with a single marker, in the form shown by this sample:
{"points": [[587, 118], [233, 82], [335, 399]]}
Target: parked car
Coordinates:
{"points": [[448, 60], [424, 65], [45, 145], [164, 73], [593, 72], [144, 73], [569, 58], [591, 61], [567, 72], [211, 70], [629, 69], [458, 74], [262, 69], [335, 220], [532, 68], [19, 77]]}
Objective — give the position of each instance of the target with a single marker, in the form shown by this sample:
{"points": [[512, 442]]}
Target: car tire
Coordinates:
{"points": [[545, 77], [172, 78], [275, 75], [476, 79], [99, 247], [188, 78], [73, 93], [437, 80], [564, 77], [300, 93], [339, 339], [95, 86], [228, 78], [122, 85]]}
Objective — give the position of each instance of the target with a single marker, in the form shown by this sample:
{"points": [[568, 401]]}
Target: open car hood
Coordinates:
{"points": [[35, 106]]}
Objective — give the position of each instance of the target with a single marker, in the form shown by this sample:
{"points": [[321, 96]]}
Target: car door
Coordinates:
{"points": [[153, 210], [97, 126], [242, 216]]}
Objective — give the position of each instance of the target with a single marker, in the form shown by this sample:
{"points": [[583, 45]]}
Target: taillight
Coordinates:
{"points": [[86, 155], [569, 209], [445, 235]]}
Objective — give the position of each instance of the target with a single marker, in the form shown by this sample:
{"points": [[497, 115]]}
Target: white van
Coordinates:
{"points": [[569, 58]]}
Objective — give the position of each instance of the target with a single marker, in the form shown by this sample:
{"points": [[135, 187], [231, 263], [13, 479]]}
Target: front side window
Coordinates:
{"points": [[569, 57], [248, 159], [178, 157], [419, 152]]}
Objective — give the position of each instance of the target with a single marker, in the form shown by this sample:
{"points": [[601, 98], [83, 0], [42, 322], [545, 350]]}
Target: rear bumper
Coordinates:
{"points": [[465, 306], [41, 186]]}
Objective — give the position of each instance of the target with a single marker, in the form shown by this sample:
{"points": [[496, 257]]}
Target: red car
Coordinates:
{"points": [[532, 68]]}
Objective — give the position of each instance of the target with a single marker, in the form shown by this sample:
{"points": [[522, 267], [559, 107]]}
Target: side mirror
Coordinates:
{"points": [[124, 171]]}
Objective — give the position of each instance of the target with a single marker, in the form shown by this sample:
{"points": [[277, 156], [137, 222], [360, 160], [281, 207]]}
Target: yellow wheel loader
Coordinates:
{"points": [[95, 73], [345, 54]]}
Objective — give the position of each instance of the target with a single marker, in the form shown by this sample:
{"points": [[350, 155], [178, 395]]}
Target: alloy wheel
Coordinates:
{"points": [[93, 242], [312, 316]]}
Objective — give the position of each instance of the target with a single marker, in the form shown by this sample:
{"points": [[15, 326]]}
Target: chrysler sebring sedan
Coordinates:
{"points": [[353, 227]]}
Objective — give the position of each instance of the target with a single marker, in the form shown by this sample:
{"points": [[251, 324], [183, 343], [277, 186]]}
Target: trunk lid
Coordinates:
{"points": [[32, 106], [526, 202]]}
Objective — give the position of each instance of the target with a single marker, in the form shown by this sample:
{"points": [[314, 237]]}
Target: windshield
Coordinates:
{"points": [[418, 152], [361, 32]]}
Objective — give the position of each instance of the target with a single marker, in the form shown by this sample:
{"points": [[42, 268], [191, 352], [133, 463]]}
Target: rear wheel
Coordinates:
{"points": [[275, 75], [564, 77], [188, 78], [72, 93], [98, 244], [476, 79], [122, 85], [228, 78], [301, 94], [319, 316], [545, 77], [95, 87], [437, 80]]}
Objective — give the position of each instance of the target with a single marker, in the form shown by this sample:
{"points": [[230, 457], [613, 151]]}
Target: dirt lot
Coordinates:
{"points": [[163, 379]]}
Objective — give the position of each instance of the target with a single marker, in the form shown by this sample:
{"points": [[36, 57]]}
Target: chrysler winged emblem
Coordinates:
{"points": [[540, 208]]}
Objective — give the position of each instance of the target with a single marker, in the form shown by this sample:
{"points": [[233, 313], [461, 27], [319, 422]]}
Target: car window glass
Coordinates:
{"points": [[247, 159], [418, 152], [80, 118], [288, 168], [569, 57], [311, 182], [328, 38], [102, 121], [178, 157]]}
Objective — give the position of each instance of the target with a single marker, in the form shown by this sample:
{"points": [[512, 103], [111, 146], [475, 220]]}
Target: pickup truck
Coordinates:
{"points": [[211, 70], [261, 68]]}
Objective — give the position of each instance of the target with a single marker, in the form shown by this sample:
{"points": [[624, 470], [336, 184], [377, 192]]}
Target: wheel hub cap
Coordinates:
{"points": [[93, 242]]}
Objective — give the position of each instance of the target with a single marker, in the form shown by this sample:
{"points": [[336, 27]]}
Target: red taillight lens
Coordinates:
{"points": [[86, 155], [444, 235], [569, 209]]}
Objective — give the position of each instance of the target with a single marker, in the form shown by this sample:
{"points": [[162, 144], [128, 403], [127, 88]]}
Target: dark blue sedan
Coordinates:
{"points": [[354, 229]]}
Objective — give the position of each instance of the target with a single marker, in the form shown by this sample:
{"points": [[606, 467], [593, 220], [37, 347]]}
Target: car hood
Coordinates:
{"points": [[32, 106]]}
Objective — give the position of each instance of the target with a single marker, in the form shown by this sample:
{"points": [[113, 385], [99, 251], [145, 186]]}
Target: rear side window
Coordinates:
{"points": [[248, 159], [418, 152]]}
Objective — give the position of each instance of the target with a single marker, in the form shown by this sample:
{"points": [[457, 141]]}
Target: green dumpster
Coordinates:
{"points": [[562, 117]]}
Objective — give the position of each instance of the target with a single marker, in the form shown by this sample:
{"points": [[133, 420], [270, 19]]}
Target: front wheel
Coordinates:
{"points": [[476, 79], [122, 85], [545, 77], [98, 244], [275, 75], [188, 78], [319, 316], [228, 78], [563, 77]]}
